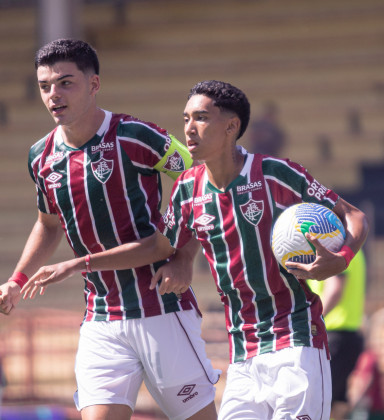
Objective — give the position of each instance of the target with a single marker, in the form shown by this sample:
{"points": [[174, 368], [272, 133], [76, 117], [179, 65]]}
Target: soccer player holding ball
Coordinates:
{"points": [[277, 339]]}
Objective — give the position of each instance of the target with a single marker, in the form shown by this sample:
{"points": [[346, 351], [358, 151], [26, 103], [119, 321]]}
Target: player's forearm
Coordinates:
{"points": [[333, 292], [134, 254], [189, 251], [40, 246], [355, 223]]}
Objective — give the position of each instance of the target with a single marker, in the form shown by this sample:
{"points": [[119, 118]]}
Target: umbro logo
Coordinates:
{"points": [[187, 390], [205, 222], [204, 219], [304, 417], [52, 178]]}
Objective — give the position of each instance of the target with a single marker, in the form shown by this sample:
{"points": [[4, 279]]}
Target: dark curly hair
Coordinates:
{"points": [[225, 96], [72, 50]]}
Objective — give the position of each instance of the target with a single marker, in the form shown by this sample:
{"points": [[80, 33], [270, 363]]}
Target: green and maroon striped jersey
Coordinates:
{"points": [[106, 193], [266, 308]]}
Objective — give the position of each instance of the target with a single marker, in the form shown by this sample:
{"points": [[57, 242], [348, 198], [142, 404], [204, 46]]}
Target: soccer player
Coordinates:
{"points": [[97, 176], [277, 339]]}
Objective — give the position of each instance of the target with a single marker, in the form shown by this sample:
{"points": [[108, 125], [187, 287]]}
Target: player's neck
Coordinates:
{"points": [[222, 171], [80, 132]]}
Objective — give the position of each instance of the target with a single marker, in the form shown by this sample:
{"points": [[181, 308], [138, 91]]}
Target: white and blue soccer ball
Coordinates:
{"points": [[288, 235]]}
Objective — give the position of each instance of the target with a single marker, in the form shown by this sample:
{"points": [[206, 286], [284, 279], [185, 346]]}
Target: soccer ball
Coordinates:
{"points": [[288, 235]]}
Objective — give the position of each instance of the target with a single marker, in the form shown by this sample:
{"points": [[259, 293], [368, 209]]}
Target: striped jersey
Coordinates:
{"points": [[266, 308], [106, 193]]}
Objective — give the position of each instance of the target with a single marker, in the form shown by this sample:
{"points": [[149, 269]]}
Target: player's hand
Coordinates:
{"points": [[47, 275], [9, 297], [176, 276], [326, 264]]}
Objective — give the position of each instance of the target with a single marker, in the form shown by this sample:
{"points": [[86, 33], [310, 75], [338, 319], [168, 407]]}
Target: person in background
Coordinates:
{"points": [[343, 299], [366, 382], [266, 135]]}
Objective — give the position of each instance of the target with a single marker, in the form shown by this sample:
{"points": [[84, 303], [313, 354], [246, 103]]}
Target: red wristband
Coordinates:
{"points": [[88, 263], [19, 278], [347, 253]]}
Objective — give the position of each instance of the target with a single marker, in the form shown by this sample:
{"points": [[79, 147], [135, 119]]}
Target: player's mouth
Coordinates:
{"points": [[56, 110], [191, 145]]}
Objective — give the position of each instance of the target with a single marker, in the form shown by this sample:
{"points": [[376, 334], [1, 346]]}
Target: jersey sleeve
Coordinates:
{"points": [[174, 222], [43, 204], [291, 183], [152, 149]]}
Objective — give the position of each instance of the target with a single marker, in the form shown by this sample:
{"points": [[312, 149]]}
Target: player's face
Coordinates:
{"points": [[205, 128], [67, 92]]}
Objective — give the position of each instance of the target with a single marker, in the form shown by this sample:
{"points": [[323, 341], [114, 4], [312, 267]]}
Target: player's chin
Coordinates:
{"points": [[194, 154]]}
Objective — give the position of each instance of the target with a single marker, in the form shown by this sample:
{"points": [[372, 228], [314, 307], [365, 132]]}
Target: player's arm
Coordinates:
{"points": [[176, 275], [42, 242], [327, 263], [133, 254], [332, 292], [355, 223]]}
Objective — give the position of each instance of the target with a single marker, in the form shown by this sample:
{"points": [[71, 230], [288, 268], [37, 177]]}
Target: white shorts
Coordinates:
{"points": [[292, 383], [165, 351]]}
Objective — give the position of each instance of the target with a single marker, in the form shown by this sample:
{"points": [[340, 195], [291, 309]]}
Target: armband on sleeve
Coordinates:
{"points": [[176, 159]]}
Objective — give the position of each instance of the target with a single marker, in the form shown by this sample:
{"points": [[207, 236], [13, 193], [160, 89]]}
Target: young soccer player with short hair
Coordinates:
{"points": [[97, 176]]}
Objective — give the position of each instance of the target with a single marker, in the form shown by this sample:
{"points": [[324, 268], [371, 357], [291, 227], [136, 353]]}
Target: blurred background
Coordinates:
{"points": [[314, 74]]}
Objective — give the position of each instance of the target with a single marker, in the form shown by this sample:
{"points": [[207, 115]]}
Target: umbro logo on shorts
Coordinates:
{"points": [[304, 417], [187, 390]]}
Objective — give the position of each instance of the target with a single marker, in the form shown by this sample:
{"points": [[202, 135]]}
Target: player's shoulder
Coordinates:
{"points": [[39, 146], [272, 164], [128, 125]]}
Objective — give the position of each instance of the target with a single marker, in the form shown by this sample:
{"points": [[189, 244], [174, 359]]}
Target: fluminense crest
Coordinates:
{"points": [[175, 162], [102, 169], [252, 211]]}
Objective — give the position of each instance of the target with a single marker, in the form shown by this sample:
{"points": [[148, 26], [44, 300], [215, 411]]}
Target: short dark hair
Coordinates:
{"points": [[72, 50], [226, 97]]}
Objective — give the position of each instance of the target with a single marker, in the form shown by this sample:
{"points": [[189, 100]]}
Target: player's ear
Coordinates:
{"points": [[233, 126], [94, 84]]}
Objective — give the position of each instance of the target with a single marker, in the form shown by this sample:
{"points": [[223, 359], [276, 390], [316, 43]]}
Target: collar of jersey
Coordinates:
{"points": [[238, 180], [94, 140]]}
